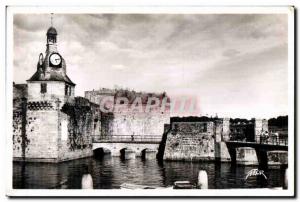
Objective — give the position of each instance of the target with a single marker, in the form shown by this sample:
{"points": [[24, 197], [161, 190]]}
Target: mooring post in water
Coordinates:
{"points": [[285, 180], [202, 180], [87, 181]]}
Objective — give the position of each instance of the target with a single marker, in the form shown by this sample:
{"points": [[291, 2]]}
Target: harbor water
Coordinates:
{"points": [[110, 172]]}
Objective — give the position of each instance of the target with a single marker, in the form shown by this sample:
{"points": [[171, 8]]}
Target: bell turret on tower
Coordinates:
{"points": [[50, 80], [51, 39]]}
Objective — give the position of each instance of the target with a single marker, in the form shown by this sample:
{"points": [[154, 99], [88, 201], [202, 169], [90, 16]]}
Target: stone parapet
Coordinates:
{"points": [[246, 156], [190, 141]]}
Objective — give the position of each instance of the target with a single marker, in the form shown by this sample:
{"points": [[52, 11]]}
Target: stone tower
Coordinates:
{"points": [[57, 126], [48, 90]]}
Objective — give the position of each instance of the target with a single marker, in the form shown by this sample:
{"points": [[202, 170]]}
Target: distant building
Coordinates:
{"points": [[282, 132], [242, 131], [248, 130]]}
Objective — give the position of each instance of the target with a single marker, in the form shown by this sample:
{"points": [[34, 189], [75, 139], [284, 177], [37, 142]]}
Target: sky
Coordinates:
{"points": [[235, 65]]}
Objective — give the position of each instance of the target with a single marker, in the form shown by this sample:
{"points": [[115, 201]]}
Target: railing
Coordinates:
{"points": [[128, 139], [273, 141], [263, 140]]}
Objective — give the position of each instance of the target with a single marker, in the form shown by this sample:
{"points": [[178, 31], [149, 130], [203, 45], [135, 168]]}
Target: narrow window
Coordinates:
{"points": [[66, 89], [43, 88]]}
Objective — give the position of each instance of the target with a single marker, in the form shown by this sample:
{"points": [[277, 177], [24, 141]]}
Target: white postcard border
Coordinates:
{"points": [[154, 10]]}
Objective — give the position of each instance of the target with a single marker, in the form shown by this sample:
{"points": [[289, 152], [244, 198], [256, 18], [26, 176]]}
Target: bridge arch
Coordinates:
{"points": [[100, 152], [143, 153], [122, 152], [127, 153], [148, 153]]}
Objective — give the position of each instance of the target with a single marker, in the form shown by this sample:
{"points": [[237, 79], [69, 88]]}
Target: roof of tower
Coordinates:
{"points": [[54, 76], [52, 30]]}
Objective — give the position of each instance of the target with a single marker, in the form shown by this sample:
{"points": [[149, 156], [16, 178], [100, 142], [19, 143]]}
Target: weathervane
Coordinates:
{"points": [[51, 19]]}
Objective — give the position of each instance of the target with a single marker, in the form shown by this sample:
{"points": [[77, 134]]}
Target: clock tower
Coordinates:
{"points": [[58, 124], [50, 81]]}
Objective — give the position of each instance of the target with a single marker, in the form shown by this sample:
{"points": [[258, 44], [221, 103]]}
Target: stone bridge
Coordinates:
{"points": [[127, 147], [257, 146], [262, 154]]}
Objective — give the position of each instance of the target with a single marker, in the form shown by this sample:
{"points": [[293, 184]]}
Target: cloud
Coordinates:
{"points": [[224, 57], [230, 53]]}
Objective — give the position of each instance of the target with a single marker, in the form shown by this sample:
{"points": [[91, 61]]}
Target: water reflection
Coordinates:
{"points": [[110, 172]]}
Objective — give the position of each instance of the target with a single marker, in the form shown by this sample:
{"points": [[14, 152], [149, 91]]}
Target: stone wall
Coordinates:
{"points": [[149, 124], [17, 133], [221, 152], [106, 125], [246, 156], [124, 121], [190, 141], [50, 131], [38, 142], [19, 119], [277, 158], [20, 91], [73, 145], [98, 96], [77, 126], [41, 132]]}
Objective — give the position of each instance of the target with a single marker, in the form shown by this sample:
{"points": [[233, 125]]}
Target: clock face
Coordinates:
{"points": [[55, 59]]}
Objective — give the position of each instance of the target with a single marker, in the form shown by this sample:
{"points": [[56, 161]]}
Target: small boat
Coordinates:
{"points": [[136, 186], [184, 185]]}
